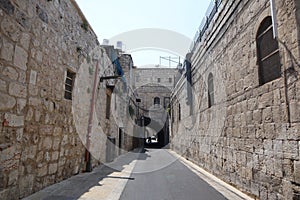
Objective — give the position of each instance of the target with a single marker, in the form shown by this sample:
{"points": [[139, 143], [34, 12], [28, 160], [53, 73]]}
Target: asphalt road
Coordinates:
{"points": [[158, 175]]}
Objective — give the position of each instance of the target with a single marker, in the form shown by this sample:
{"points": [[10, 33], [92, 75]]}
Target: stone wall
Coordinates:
{"points": [[40, 138], [250, 138], [148, 87]]}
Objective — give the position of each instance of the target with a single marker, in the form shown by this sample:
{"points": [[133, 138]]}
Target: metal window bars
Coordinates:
{"points": [[209, 15]]}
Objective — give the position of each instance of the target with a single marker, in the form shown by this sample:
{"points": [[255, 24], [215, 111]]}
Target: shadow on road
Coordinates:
{"points": [[76, 186]]}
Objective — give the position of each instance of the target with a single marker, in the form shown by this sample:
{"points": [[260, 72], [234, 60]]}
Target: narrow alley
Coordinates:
{"points": [[149, 100], [154, 174]]}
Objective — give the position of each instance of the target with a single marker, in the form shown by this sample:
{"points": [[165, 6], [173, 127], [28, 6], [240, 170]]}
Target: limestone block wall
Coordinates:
{"points": [[39, 143], [250, 138]]}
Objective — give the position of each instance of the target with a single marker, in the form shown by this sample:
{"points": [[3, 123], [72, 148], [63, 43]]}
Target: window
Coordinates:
{"points": [[172, 114], [166, 102], [210, 84], [158, 80], [108, 102], [69, 84], [179, 112], [267, 53], [156, 101], [170, 80]]}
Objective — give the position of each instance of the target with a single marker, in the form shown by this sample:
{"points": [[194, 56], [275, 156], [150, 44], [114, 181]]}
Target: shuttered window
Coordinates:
{"points": [[267, 53]]}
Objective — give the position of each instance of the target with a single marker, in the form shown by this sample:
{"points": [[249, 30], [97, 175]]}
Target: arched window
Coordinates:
{"points": [[156, 101], [210, 83], [267, 53]]}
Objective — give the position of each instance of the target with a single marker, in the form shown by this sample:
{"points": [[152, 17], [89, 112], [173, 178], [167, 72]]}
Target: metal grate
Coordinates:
{"points": [[69, 83], [210, 13]]}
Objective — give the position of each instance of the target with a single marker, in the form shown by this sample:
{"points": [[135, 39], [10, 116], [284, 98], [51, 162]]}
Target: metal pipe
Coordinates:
{"points": [[274, 18], [90, 124]]}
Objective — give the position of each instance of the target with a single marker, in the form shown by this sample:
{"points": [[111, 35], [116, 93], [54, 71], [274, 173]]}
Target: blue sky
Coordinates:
{"points": [[109, 18]]}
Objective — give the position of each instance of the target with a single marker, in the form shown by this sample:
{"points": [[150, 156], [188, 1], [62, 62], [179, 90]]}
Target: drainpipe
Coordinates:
{"points": [[90, 125], [274, 18], [275, 35]]}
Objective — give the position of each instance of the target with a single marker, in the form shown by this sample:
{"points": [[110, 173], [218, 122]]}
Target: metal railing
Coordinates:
{"points": [[209, 15]]}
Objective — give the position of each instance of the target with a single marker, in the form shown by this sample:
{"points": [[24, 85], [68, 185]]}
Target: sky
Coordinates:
{"points": [[113, 18]]}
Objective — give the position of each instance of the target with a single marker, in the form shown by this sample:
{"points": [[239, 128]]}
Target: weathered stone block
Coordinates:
{"points": [[47, 143], [7, 6], [7, 51], [267, 115], [56, 143], [295, 111], [17, 90], [265, 100], [25, 41], [21, 103], [257, 116], [290, 149], [14, 120], [55, 155], [11, 29], [3, 86], [57, 131], [278, 149], [33, 90], [26, 185], [23, 19], [7, 102], [33, 77], [53, 168], [42, 14], [29, 114], [269, 131], [20, 58], [268, 148], [13, 177], [33, 101], [42, 171], [11, 73]]}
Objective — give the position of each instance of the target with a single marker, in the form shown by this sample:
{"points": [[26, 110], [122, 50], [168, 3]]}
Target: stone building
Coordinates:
{"points": [[50, 64], [153, 88], [244, 91]]}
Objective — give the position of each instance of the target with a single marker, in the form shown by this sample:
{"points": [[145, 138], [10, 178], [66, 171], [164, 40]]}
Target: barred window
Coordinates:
{"points": [[210, 83], [267, 53], [69, 83]]}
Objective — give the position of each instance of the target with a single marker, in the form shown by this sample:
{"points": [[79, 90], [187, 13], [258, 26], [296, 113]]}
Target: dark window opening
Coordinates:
{"points": [[211, 99], [179, 112], [108, 103], [170, 80], [267, 53], [156, 101], [69, 83], [158, 80]]}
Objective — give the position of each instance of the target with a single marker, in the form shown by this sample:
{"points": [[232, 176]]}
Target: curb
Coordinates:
{"points": [[224, 188]]}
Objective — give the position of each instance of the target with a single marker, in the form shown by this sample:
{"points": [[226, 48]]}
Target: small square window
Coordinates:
{"points": [[158, 80], [69, 83], [170, 80]]}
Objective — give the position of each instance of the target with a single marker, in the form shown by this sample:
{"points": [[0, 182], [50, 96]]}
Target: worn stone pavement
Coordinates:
{"points": [[108, 182]]}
